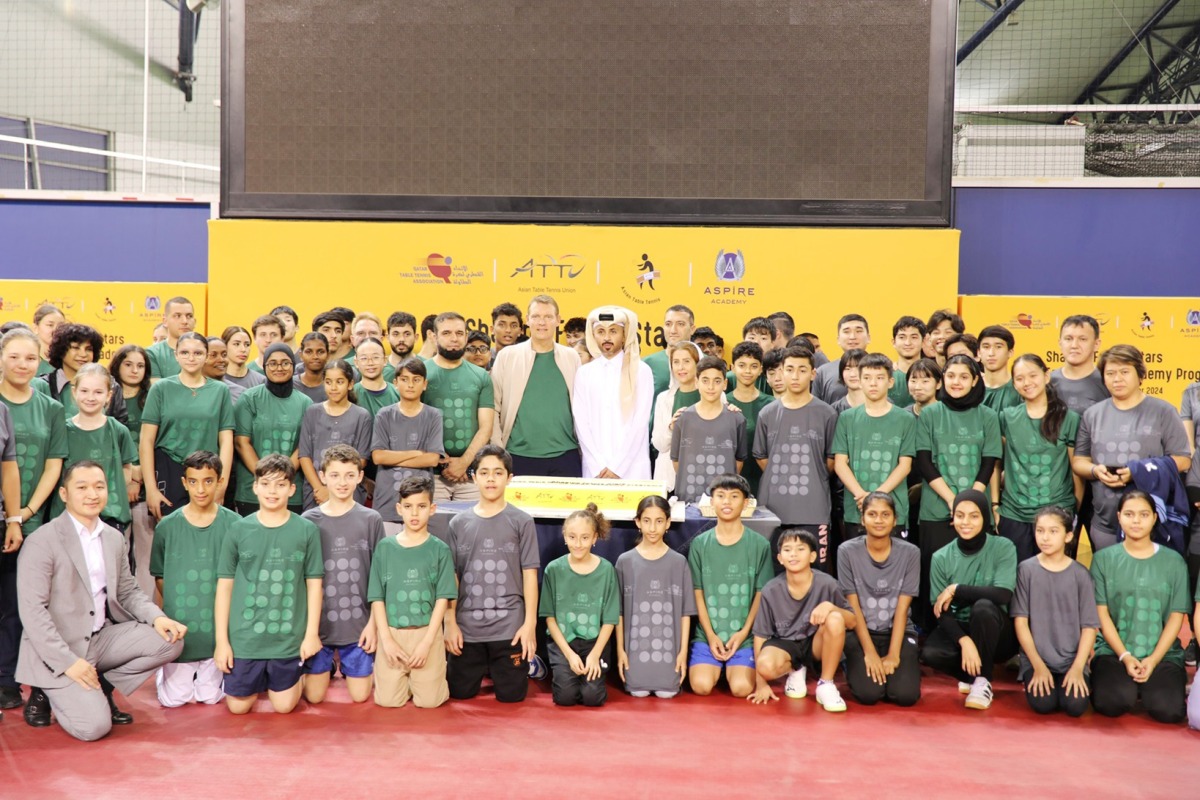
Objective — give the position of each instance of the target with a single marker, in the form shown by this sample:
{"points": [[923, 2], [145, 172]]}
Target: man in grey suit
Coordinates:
{"points": [[88, 627]]}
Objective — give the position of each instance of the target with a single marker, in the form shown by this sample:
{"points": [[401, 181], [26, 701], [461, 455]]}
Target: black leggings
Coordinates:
{"points": [[932, 536], [1114, 693], [1057, 699], [989, 628], [903, 687]]}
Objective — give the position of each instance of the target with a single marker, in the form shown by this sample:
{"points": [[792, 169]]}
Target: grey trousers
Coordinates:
{"points": [[125, 654]]}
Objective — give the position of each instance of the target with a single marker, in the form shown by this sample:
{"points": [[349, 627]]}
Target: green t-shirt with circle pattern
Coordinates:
{"points": [[273, 425], [40, 432], [580, 604], [269, 566], [186, 557], [112, 447], [458, 393], [1036, 472], [729, 576], [410, 580], [188, 419], [995, 564], [873, 447], [958, 441], [374, 402], [1140, 594]]}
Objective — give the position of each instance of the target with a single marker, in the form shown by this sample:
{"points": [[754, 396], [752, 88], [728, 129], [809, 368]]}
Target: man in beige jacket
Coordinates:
{"points": [[533, 383]]}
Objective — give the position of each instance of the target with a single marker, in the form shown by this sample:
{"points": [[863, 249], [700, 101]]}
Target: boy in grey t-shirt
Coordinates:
{"points": [[491, 627], [793, 444], [707, 439], [406, 440], [349, 534]]}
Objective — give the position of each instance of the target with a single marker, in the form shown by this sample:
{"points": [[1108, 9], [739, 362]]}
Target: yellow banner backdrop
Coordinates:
{"points": [[1166, 330], [725, 275], [125, 313]]}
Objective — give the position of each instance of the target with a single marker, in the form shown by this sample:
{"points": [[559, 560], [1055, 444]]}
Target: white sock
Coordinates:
{"points": [[981, 682], [821, 681]]}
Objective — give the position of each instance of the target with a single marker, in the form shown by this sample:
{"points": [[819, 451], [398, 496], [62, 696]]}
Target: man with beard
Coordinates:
{"points": [[533, 382], [401, 336], [463, 393], [678, 325], [612, 399]]}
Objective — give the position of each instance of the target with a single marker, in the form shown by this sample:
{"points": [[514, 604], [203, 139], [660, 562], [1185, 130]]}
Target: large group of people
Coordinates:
{"points": [[250, 512]]}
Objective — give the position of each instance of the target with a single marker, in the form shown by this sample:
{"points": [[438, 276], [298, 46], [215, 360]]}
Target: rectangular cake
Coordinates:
{"points": [[558, 497]]}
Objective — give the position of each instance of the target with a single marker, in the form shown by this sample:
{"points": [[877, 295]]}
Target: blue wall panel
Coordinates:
{"points": [[1050, 241], [67, 241]]}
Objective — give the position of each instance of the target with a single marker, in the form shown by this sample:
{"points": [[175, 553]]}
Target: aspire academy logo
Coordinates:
{"points": [[730, 268]]}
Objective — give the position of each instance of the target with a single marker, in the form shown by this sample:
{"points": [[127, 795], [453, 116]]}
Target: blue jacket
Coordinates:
{"points": [[1159, 477]]}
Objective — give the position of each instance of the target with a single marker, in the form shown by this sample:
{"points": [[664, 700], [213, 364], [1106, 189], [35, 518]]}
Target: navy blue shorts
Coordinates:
{"points": [[250, 676], [355, 663]]}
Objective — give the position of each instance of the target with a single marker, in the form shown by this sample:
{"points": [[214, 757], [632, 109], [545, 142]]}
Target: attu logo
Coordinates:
{"points": [[730, 266], [567, 266], [439, 266], [647, 266]]}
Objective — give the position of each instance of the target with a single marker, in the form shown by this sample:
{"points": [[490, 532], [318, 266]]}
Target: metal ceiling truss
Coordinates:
{"points": [[1171, 53]]}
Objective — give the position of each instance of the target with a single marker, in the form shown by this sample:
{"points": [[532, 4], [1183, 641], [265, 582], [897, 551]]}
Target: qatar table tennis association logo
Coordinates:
{"points": [[441, 269], [439, 266], [730, 266]]}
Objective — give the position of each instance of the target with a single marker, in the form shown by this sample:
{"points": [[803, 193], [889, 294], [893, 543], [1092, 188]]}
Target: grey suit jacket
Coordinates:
{"points": [[55, 599]]}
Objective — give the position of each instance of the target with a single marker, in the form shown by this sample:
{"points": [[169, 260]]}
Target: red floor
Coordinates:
{"points": [[687, 747]]}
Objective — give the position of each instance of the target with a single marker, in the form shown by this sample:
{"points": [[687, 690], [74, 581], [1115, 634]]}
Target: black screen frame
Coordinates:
{"points": [[934, 209]]}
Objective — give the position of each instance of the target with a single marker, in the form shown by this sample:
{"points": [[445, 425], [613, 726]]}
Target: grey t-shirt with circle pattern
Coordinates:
{"points": [[489, 556], [781, 616], [347, 543], [706, 449], [796, 443], [655, 597], [395, 431], [1115, 437], [879, 584]]}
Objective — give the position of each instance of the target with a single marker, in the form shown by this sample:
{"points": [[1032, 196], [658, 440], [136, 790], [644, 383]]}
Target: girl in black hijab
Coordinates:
{"points": [[972, 580], [267, 421]]}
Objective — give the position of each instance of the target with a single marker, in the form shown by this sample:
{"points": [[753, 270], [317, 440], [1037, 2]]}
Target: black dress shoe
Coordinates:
{"points": [[10, 697], [119, 717], [37, 709]]}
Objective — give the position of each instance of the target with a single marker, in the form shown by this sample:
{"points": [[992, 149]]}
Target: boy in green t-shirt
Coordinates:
{"points": [[183, 561], [730, 566], [874, 445], [411, 585], [996, 344], [269, 588]]}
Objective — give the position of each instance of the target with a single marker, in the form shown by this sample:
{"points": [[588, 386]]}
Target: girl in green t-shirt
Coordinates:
{"points": [[1142, 598], [1039, 443], [581, 603]]}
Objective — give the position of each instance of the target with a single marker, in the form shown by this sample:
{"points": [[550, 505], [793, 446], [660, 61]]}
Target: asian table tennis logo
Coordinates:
{"points": [[651, 274], [730, 266], [1144, 329]]}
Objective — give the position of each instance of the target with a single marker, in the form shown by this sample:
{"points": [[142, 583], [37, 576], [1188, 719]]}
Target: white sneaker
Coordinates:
{"points": [[796, 688], [964, 688], [980, 696], [829, 697]]}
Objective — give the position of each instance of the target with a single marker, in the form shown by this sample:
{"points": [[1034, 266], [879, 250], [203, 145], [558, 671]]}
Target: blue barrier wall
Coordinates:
{"points": [[1016, 241], [70, 241], [1098, 242]]}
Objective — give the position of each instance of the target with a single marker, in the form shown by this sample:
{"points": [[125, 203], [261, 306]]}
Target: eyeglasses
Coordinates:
{"points": [[370, 359], [478, 350], [278, 364]]}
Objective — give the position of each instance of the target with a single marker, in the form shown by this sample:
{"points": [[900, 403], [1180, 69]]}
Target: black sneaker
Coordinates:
{"points": [[1189, 655], [10, 697]]}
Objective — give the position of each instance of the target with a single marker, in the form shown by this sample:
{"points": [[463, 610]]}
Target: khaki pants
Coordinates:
{"points": [[426, 686], [443, 490]]}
